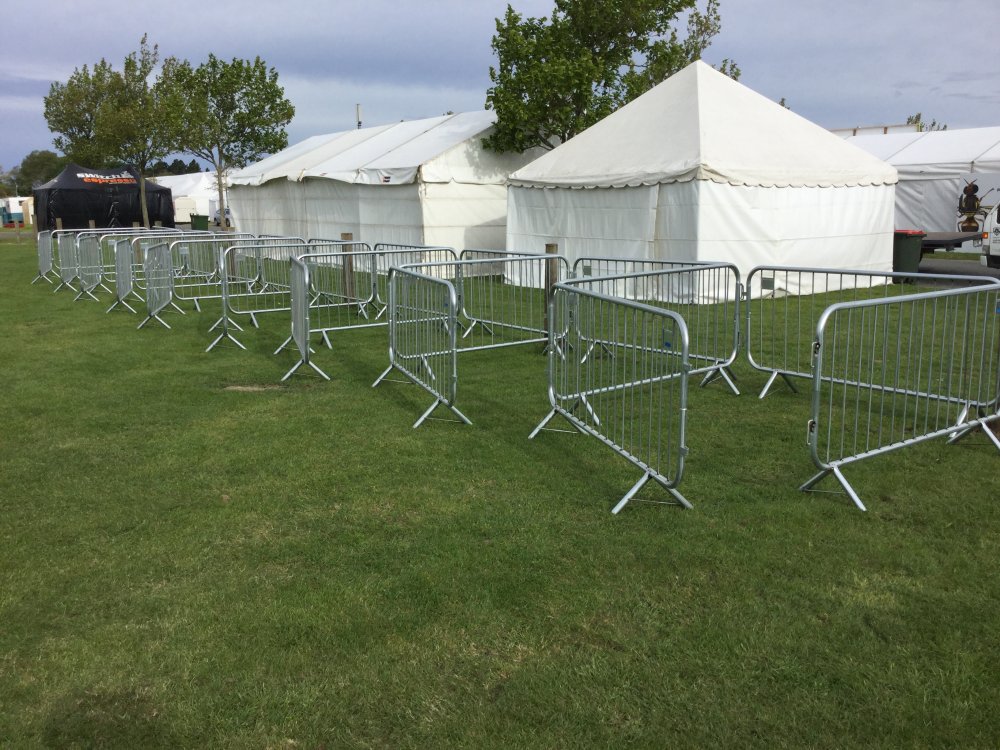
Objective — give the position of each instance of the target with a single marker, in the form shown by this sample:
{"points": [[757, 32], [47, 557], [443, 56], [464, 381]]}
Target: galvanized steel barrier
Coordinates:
{"points": [[635, 402], [90, 266], [159, 274], [44, 241], [707, 295], [892, 372], [255, 280], [423, 342], [502, 298], [301, 295], [345, 289], [124, 276], [783, 305], [197, 264]]}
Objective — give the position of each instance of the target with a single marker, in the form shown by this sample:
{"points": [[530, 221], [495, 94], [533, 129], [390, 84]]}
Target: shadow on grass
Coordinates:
{"points": [[94, 717]]}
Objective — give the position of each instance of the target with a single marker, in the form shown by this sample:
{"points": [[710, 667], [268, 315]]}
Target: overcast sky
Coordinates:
{"points": [[840, 64]]}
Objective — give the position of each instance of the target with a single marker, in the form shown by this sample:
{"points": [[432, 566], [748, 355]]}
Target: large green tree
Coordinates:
{"points": [[71, 111], [105, 117], [556, 76], [235, 113]]}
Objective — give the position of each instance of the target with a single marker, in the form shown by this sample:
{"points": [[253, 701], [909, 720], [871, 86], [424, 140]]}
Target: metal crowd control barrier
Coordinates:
{"points": [[197, 263], [124, 277], [783, 305], [496, 302], [345, 290], [423, 342], [68, 262], [896, 371], [635, 403], [159, 273], [90, 266], [255, 280], [110, 238], [706, 295], [44, 240], [301, 295]]}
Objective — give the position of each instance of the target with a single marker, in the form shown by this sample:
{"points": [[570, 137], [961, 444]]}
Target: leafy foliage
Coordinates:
{"points": [[558, 76], [71, 111], [39, 167], [110, 117], [922, 126], [234, 113]]}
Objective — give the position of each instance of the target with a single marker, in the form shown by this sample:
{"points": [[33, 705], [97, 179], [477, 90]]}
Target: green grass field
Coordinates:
{"points": [[192, 556]]}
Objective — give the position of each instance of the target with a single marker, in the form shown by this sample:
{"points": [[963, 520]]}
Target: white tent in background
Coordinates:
{"points": [[416, 182], [934, 167], [702, 168], [195, 193]]}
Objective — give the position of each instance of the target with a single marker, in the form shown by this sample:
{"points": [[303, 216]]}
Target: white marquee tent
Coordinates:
{"points": [[195, 193], [934, 167], [415, 182], [702, 168]]}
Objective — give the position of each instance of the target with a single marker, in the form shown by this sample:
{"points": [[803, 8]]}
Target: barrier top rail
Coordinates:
{"points": [[780, 324]]}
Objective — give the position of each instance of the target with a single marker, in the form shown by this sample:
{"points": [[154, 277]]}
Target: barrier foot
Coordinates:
{"points": [[61, 285], [105, 288], [253, 319], [197, 305], [770, 382], [326, 340], [642, 483], [299, 364], [990, 434], [382, 377], [174, 305], [225, 335], [285, 343], [808, 486], [87, 292], [40, 277], [721, 372], [435, 405], [222, 320], [152, 317], [124, 304], [541, 425]]}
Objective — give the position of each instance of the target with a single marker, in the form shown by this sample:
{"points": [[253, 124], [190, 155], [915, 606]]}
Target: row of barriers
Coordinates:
{"points": [[893, 359]]}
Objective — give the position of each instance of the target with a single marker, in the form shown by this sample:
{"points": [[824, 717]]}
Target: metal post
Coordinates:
{"points": [[348, 265]]}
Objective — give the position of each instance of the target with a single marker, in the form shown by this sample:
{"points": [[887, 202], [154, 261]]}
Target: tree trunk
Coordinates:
{"points": [[220, 182], [142, 200]]}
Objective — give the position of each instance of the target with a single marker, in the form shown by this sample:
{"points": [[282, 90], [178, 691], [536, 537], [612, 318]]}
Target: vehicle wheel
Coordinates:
{"points": [[993, 261]]}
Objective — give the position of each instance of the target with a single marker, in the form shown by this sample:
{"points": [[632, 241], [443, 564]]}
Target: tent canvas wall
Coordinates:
{"points": [[195, 193], [109, 198], [702, 168], [934, 166], [416, 182]]}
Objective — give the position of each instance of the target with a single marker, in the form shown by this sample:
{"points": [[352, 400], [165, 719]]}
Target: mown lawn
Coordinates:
{"points": [[191, 556]]}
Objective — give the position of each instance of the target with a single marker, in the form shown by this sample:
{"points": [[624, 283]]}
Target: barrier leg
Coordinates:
{"points": [[808, 486], [299, 364], [438, 402], [382, 377], [152, 317], [123, 303], [770, 382], [721, 372], [642, 483]]}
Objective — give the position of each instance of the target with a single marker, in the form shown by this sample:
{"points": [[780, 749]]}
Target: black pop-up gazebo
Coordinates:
{"points": [[108, 197]]}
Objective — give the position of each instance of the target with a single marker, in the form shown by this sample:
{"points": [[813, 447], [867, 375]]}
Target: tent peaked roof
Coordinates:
{"points": [[701, 125], [939, 153], [387, 154]]}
